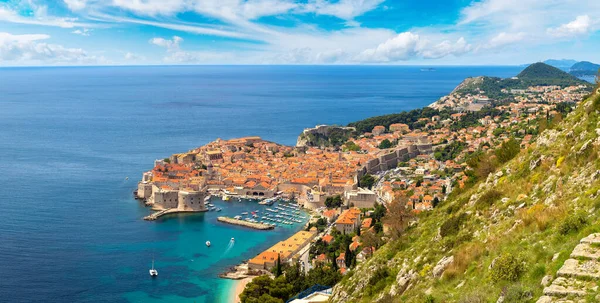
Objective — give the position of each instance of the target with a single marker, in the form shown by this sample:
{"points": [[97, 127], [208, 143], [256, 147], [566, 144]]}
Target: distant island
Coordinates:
{"points": [[584, 68]]}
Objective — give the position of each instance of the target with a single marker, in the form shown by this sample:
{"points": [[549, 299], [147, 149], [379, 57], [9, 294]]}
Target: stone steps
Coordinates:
{"points": [[586, 251], [562, 286], [580, 268], [579, 276]]}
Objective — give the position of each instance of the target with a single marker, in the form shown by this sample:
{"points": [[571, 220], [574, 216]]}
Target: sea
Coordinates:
{"points": [[74, 141]]}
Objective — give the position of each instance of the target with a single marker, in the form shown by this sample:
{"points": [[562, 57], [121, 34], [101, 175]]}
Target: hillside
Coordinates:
{"points": [[537, 74], [584, 68], [505, 236], [544, 74]]}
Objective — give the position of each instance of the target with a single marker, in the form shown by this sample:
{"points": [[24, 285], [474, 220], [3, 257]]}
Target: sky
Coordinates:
{"points": [[389, 32]]}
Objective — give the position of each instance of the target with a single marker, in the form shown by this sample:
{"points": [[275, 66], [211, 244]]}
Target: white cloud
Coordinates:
{"points": [[76, 5], [29, 49], [83, 32], [402, 47], [39, 17], [207, 57], [171, 45], [343, 9], [407, 45], [151, 7], [133, 57], [581, 25], [445, 48], [503, 39]]}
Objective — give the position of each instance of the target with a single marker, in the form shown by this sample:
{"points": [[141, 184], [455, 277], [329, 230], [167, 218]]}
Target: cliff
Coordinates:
{"points": [[506, 236]]}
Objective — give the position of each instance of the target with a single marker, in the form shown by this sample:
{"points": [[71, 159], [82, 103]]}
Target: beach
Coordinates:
{"points": [[238, 288]]}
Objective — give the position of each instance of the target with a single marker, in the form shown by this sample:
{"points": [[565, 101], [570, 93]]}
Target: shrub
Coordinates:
{"points": [[507, 268], [452, 226], [380, 274], [517, 294], [572, 224], [488, 198], [475, 297]]}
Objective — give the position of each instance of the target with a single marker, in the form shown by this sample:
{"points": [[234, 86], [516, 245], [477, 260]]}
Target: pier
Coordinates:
{"points": [[233, 221], [167, 211]]}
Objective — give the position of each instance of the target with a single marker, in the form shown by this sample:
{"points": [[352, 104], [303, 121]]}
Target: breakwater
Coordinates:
{"points": [[167, 211], [234, 221]]}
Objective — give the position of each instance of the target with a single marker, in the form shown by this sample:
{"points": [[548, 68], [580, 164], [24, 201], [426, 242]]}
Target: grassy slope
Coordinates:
{"points": [[537, 203]]}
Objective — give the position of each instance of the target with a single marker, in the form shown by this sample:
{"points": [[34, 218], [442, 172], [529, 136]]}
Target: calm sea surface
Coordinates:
{"points": [[69, 228]]}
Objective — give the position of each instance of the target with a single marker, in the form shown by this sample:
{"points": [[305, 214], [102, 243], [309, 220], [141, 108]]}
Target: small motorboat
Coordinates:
{"points": [[232, 239], [153, 272], [208, 243]]}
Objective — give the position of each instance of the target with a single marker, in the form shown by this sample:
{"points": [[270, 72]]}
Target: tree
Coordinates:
{"points": [[351, 146], [369, 239], [348, 255], [278, 266], [508, 150], [258, 287], [333, 261], [436, 201], [358, 231], [367, 181], [385, 144], [333, 202], [397, 217], [378, 213]]}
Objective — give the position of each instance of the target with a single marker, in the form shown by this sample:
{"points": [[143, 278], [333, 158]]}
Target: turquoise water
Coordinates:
{"points": [[70, 230]]}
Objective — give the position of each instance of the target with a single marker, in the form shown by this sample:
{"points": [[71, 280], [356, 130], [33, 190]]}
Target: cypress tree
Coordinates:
{"points": [[278, 266]]}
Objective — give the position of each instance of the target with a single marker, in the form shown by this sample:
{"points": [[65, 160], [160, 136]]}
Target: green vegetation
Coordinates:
{"points": [[518, 210], [410, 118], [449, 151], [572, 224], [584, 68], [331, 136], [507, 268], [333, 202], [351, 146], [265, 289], [367, 181], [452, 225], [385, 144], [534, 75]]}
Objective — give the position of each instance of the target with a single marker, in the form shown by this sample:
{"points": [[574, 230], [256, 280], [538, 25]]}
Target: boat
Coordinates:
{"points": [[238, 217], [245, 213], [226, 198], [219, 209], [153, 272], [208, 243], [207, 198], [232, 239]]}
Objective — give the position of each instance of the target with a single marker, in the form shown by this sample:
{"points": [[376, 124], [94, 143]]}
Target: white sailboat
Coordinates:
{"points": [[153, 272]]}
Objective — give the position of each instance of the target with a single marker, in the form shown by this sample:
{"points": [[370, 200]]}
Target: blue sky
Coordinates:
{"points": [[432, 32]]}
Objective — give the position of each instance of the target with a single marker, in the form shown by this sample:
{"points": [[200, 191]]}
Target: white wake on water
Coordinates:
{"points": [[229, 246]]}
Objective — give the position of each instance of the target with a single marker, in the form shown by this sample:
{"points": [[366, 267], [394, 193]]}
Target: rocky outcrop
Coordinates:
{"points": [[441, 266], [324, 135]]}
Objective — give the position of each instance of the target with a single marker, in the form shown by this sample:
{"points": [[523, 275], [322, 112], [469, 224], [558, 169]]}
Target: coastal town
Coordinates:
{"points": [[346, 188]]}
